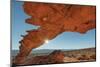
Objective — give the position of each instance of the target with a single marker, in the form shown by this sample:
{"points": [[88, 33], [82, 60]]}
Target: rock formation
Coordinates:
{"points": [[53, 20], [56, 56]]}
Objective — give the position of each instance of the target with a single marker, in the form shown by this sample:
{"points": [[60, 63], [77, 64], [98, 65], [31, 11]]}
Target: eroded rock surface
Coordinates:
{"points": [[56, 56], [53, 20]]}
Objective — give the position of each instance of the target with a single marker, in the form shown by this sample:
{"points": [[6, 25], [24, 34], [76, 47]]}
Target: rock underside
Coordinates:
{"points": [[53, 20]]}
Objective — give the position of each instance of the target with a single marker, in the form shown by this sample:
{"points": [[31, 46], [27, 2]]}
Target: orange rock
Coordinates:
{"points": [[55, 57], [54, 19]]}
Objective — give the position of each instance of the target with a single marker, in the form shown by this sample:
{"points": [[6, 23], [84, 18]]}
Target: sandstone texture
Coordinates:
{"points": [[53, 20], [55, 57]]}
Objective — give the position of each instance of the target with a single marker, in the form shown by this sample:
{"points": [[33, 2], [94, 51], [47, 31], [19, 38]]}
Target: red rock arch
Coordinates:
{"points": [[54, 19]]}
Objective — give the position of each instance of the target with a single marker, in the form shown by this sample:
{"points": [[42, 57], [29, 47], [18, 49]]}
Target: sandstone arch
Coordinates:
{"points": [[53, 19]]}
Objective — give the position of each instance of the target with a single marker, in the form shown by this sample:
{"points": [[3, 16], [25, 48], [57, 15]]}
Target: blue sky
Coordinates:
{"points": [[66, 40]]}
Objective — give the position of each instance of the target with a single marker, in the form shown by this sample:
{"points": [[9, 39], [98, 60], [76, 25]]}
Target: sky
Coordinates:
{"points": [[66, 40]]}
